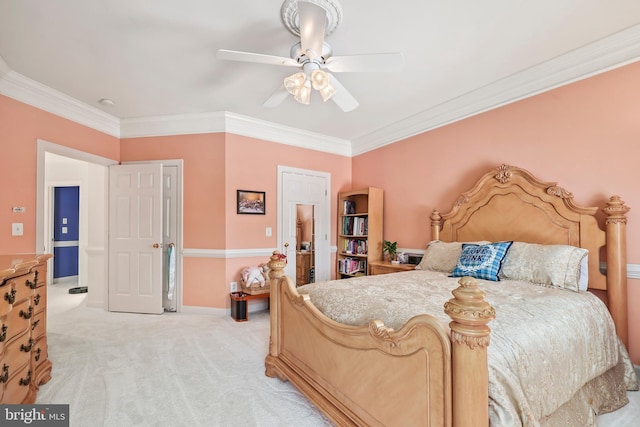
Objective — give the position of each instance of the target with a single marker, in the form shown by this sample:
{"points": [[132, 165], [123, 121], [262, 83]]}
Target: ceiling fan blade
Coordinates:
{"points": [[234, 55], [367, 62], [313, 20], [276, 98], [342, 97]]}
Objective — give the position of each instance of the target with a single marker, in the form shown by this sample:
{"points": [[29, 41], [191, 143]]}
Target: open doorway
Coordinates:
{"points": [[58, 165]]}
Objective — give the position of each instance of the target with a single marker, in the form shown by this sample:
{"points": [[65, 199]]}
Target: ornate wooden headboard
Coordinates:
{"points": [[509, 203]]}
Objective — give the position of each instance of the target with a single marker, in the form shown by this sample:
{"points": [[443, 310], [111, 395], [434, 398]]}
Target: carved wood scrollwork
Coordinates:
{"points": [[471, 342], [381, 332], [503, 174], [558, 191], [460, 201], [470, 314], [616, 210]]}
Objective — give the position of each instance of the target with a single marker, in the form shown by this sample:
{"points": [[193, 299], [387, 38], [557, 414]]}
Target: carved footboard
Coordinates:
{"points": [[376, 376]]}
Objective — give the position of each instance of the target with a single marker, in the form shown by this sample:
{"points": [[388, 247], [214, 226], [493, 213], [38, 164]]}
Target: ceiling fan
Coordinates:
{"points": [[311, 20]]}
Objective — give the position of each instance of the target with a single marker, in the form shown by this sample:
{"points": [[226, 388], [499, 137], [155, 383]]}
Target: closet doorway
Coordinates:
{"points": [[302, 187]]}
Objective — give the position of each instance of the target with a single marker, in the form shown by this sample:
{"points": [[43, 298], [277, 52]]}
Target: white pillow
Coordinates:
{"points": [[442, 256], [552, 265]]}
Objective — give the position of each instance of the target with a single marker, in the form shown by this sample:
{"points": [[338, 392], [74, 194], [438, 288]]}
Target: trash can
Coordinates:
{"points": [[238, 307]]}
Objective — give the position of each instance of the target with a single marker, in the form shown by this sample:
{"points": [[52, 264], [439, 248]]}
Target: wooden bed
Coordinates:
{"points": [[427, 373]]}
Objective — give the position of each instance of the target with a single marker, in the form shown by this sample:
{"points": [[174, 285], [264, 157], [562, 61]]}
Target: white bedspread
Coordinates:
{"points": [[546, 344]]}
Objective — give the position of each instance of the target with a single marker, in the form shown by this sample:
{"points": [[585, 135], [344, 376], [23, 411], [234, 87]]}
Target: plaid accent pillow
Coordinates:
{"points": [[481, 261]]}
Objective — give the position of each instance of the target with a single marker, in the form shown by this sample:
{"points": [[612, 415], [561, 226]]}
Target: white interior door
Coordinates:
{"points": [[135, 238], [305, 187]]}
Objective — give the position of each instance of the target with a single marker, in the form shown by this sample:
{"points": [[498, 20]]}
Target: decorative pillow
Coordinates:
{"points": [[481, 261], [441, 256], [551, 265]]}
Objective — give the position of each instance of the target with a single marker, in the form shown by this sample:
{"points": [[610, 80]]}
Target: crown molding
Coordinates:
{"points": [[603, 55], [179, 124], [31, 92], [254, 128]]}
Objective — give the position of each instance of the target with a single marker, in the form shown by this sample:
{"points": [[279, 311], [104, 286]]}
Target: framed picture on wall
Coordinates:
{"points": [[251, 202]]}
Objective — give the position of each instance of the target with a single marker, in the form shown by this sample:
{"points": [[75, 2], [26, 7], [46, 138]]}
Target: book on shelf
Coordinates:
{"points": [[349, 207], [355, 225], [352, 266], [355, 246]]}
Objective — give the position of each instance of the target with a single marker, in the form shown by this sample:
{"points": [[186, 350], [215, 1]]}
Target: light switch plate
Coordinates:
{"points": [[17, 229]]}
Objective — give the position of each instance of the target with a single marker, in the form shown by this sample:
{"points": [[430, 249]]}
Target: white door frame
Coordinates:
{"points": [[322, 244], [178, 163], [97, 250]]}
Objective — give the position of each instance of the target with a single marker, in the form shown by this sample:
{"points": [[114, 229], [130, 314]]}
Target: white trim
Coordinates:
{"points": [[31, 92], [173, 125], [254, 307], [206, 311], [633, 271], [227, 253], [603, 55], [254, 128]]}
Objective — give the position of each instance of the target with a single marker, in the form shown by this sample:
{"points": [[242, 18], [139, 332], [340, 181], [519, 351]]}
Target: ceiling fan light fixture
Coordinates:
{"points": [[303, 95], [327, 92], [319, 79], [295, 82]]}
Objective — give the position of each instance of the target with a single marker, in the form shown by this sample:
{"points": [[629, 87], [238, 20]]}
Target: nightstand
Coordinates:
{"points": [[384, 267]]}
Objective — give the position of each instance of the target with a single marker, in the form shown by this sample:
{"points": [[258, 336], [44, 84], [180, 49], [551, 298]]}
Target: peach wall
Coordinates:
{"points": [[20, 127], [215, 166], [585, 136], [203, 158]]}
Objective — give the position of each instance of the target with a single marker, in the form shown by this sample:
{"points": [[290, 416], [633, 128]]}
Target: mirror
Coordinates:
{"points": [[305, 244]]}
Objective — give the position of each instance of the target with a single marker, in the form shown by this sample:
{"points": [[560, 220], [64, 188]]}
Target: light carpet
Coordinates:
{"points": [[121, 369]]}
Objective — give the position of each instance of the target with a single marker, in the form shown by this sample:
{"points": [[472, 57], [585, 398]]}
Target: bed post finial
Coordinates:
{"points": [[436, 224], [277, 263], [469, 342], [616, 223]]}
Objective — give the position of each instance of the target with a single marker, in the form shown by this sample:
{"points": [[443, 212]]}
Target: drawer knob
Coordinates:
{"points": [[27, 380], [5, 374], [27, 348], [3, 333], [30, 284], [36, 299], [10, 297], [26, 314], [37, 356]]}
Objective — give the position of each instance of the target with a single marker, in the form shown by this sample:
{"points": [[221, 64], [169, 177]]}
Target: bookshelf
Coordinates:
{"points": [[359, 231]]}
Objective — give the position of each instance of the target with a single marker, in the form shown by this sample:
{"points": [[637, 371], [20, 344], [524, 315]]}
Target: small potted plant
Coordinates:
{"points": [[390, 249]]}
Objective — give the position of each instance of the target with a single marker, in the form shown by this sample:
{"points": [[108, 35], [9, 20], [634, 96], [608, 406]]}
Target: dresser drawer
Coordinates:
{"points": [[17, 387], [39, 299], [39, 353], [38, 325], [7, 294], [18, 352], [19, 319], [24, 287]]}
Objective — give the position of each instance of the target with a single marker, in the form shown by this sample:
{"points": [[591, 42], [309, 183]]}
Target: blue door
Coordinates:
{"points": [[66, 215]]}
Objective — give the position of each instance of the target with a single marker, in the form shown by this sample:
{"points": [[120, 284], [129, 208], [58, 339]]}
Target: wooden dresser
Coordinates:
{"points": [[303, 265], [385, 267], [24, 363]]}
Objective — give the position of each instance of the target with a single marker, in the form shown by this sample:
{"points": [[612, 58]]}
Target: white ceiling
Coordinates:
{"points": [[158, 58]]}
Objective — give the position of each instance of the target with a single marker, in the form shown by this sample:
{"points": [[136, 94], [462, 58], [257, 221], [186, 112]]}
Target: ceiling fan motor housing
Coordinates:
{"points": [[300, 56]]}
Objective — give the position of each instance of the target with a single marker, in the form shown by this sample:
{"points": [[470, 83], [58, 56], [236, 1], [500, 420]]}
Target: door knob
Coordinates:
{"points": [[157, 245]]}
